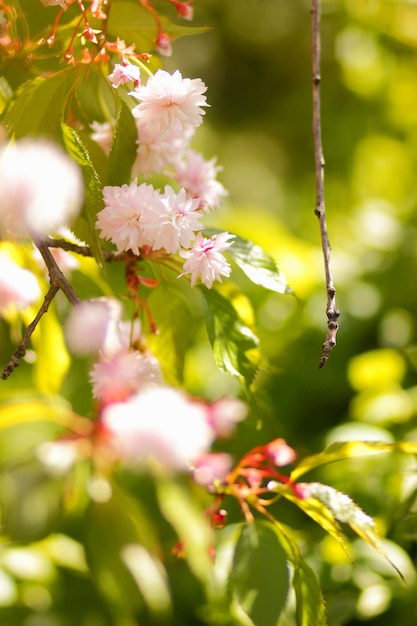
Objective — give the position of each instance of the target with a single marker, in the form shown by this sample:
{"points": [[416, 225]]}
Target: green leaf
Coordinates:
{"points": [[124, 149], [259, 579], [179, 509], [230, 337], [121, 547], [39, 105], [258, 265], [310, 607], [348, 449], [347, 511], [134, 24], [52, 358], [319, 512], [93, 197], [172, 339]]}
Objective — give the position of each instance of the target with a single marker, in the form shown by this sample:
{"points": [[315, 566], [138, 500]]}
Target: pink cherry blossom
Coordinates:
{"points": [[225, 413], [41, 188], [91, 325], [198, 177], [157, 150], [55, 3], [171, 221], [103, 135], [123, 74], [18, 286], [205, 259], [170, 101], [116, 376], [163, 45], [119, 221], [160, 424], [210, 468]]}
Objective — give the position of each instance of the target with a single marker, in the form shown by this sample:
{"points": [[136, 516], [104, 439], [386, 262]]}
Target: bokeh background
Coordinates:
{"points": [[256, 62]]}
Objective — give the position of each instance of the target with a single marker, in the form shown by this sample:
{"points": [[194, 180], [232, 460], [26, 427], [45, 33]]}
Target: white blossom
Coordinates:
{"points": [[103, 135], [123, 74], [119, 221], [158, 423], [91, 325], [205, 259], [171, 220], [198, 177], [170, 101], [41, 188], [116, 376]]}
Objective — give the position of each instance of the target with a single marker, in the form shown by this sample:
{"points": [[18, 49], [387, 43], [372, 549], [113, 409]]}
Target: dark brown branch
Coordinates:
{"points": [[57, 282], [331, 309], [85, 251], [21, 348]]}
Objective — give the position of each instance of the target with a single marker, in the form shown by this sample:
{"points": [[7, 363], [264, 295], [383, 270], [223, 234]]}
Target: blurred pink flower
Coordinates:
{"points": [[212, 467], [116, 376], [103, 135], [41, 188], [160, 424], [198, 177], [225, 413]]}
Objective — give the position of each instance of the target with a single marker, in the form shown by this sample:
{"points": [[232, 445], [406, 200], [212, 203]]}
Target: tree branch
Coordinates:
{"points": [[57, 282], [331, 309]]}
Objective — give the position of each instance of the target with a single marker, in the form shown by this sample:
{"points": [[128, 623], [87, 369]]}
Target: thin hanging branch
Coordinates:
{"points": [[57, 282], [331, 309]]}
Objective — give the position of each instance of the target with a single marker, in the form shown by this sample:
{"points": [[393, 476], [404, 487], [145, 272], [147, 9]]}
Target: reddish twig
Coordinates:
{"points": [[331, 309]]}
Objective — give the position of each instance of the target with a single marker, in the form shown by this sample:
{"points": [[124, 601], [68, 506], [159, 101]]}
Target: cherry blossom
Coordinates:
{"points": [[123, 74], [205, 259], [171, 221], [225, 413], [119, 221], [157, 150], [210, 468], [161, 424], [198, 177], [103, 135], [18, 286], [170, 101], [163, 44], [55, 3], [91, 326], [41, 188], [116, 376]]}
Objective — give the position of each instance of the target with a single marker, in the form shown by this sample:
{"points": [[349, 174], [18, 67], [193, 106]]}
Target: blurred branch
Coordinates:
{"points": [[331, 309], [69, 246]]}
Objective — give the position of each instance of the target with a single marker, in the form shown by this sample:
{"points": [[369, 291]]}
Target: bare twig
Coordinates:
{"points": [[85, 251], [331, 309], [21, 348], [57, 282]]}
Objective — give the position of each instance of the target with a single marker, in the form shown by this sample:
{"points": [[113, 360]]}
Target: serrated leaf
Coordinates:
{"points": [[93, 197], [124, 149], [347, 449], [134, 24], [39, 105], [259, 579], [171, 341], [346, 510], [320, 513], [258, 265], [230, 338]]}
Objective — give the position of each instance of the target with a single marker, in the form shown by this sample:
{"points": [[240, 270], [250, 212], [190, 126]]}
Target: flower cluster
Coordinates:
{"points": [[142, 418], [138, 215]]}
